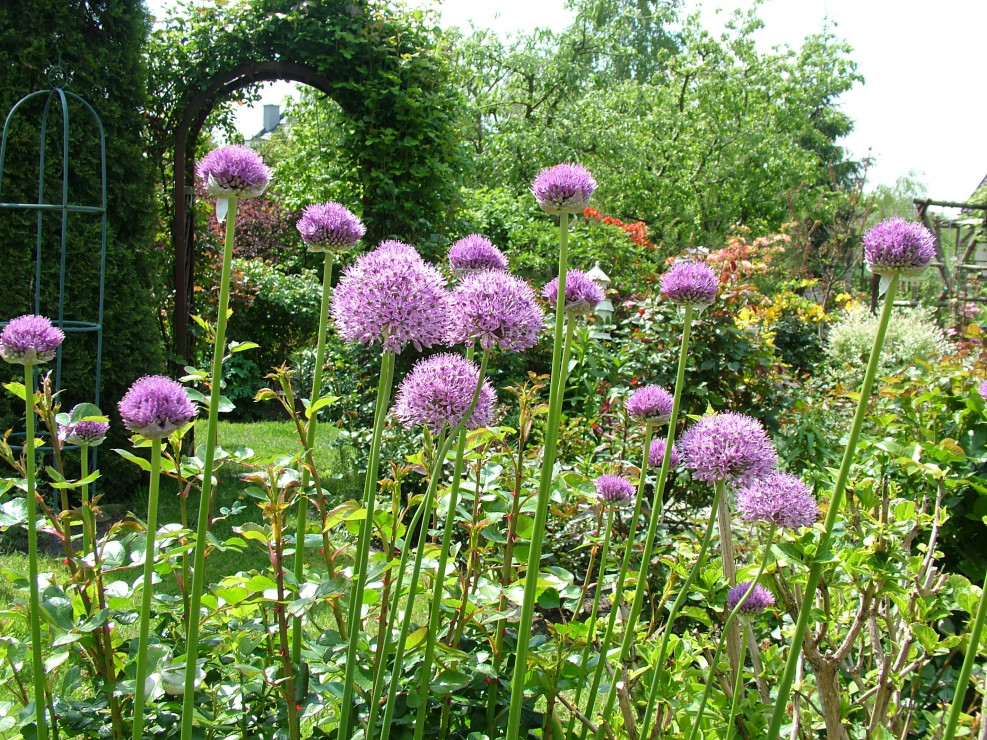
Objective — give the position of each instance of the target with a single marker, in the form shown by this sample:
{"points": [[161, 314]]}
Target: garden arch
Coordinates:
{"points": [[378, 64]]}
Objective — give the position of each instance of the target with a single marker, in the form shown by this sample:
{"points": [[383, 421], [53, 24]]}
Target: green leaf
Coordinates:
{"points": [[143, 464]]}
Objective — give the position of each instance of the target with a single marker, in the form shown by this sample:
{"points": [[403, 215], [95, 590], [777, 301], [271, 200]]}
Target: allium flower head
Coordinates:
{"points": [[155, 406], [328, 227], [30, 340], [234, 171], [650, 403], [438, 391], [498, 309], [83, 433], [473, 253], [897, 246], [582, 293], [781, 499], [759, 600], [727, 447], [656, 454], [612, 489], [564, 188], [983, 390], [691, 284], [392, 296]]}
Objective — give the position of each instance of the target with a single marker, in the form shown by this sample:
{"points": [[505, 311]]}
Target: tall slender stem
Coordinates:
{"points": [[146, 590], [205, 500], [724, 635], [301, 522], [37, 658], [963, 680], [835, 504], [544, 491], [89, 524], [649, 539], [738, 689], [618, 588], [363, 544], [435, 612]]}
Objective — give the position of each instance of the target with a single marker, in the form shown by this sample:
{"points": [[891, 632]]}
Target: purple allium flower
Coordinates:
{"points": [[473, 253], [438, 391], [564, 188], [327, 227], [155, 406], [83, 433], [691, 284], [656, 454], [897, 246], [983, 390], [612, 489], [498, 309], [759, 600], [781, 499], [727, 447], [30, 340], [234, 171], [392, 296], [582, 293], [650, 403]]}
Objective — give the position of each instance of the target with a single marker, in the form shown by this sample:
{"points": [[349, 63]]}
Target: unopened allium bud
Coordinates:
{"points": [[759, 600], [83, 433], [30, 340], [156, 406], [329, 227], [474, 253], [234, 171], [582, 293], [564, 188], [612, 489], [650, 403], [896, 246], [692, 284]]}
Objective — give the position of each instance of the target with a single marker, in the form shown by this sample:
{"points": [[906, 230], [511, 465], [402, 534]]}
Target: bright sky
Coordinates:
{"points": [[921, 107]]}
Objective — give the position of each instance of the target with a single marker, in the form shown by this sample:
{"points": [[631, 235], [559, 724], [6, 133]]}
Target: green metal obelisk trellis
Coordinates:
{"points": [[59, 208]]}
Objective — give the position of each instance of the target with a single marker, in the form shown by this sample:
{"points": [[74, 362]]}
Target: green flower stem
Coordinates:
{"points": [[724, 635], [435, 612], [969, 659], [89, 522], [738, 689], [591, 628], [618, 588], [302, 521], [544, 492], [205, 499], [649, 539], [835, 504], [363, 544], [37, 659], [146, 589]]}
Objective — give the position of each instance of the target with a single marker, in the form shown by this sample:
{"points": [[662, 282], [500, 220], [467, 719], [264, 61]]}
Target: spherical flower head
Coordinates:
{"points": [[612, 489], [438, 391], [83, 433], [564, 188], [759, 600], [155, 406], [656, 454], [30, 340], [650, 404], [896, 246], [983, 390], [582, 293], [691, 284], [498, 309], [329, 227], [781, 499], [392, 296], [727, 447], [234, 171], [474, 253]]}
